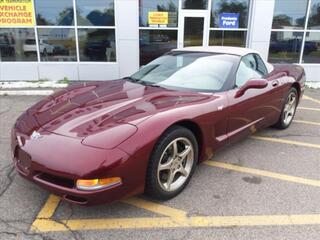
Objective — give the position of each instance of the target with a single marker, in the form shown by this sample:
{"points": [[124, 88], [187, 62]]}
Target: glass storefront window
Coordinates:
{"points": [[97, 45], [230, 6], [195, 4], [228, 38], [289, 14], [285, 47], [147, 7], [95, 12], [17, 44], [54, 12], [57, 44], [154, 43], [314, 15], [311, 51]]}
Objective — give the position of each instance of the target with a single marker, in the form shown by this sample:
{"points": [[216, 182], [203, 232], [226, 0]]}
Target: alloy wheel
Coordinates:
{"points": [[290, 108], [175, 164]]}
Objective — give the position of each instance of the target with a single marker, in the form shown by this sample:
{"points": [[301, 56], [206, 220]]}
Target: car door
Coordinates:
{"points": [[247, 112]]}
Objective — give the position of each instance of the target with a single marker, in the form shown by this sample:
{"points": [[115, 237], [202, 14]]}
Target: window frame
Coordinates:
{"points": [[245, 30], [35, 36], [39, 25], [147, 28], [304, 32], [256, 55], [235, 86], [76, 27]]}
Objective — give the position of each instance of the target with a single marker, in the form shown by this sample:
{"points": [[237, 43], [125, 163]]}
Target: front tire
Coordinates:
{"points": [[288, 110], [172, 163]]}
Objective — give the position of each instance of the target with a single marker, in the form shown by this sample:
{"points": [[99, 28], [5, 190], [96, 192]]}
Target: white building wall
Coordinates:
{"points": [[127, 49], [260, 32], [127, 22], [260, 26]]}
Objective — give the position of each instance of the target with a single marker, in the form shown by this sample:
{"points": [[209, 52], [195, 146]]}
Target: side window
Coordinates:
{"points": [[261, 67], [249, 68]]}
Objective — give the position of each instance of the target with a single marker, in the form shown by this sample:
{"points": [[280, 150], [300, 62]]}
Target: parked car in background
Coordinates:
{"points": [[60, 50], [292, 45], [96, 50], [30, 47]]}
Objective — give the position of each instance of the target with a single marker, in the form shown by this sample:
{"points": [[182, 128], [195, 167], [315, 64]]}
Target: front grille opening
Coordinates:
{"points": [[75, 199], [16, 152], [64, 182]]}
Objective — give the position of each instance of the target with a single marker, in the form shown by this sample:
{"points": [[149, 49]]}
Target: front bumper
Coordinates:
{"points": [[55, 163]]}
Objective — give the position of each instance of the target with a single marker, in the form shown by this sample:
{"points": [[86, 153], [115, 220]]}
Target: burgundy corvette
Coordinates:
{"points": [[98, 142]]}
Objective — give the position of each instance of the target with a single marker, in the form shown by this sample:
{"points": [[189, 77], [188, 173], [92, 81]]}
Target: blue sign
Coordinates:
{"points": [[229, 20]]}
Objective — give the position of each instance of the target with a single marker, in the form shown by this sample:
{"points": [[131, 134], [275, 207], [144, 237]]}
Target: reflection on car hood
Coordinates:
{"points": [[85, 109]]}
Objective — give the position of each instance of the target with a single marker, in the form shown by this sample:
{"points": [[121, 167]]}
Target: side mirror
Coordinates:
{"points": [[251, 84]]}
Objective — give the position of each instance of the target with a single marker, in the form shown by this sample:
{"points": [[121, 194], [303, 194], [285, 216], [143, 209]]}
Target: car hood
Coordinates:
{"points": [[88, 109]]}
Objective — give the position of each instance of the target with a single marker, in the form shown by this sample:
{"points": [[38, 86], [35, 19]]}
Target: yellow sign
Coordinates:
{"points": [[158, 18], [16, 13]]}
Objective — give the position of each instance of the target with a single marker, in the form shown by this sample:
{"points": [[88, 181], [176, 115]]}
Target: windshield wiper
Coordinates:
{"points": [[132, 79], [135, 80]]}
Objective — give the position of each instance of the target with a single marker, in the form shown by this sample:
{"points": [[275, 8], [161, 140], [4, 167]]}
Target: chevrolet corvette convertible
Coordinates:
{"points": [[98, 142]]}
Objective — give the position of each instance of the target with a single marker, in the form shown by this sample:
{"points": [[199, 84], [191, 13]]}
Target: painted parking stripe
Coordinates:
{"points": [[49, 207], [284, 141], [311, 99], [156, 223], [308, 108], [156, 208], [307, 122], [279, 176]]}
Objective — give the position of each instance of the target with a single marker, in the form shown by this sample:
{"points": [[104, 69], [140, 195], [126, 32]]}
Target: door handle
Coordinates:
{"points": [[275, 83]]}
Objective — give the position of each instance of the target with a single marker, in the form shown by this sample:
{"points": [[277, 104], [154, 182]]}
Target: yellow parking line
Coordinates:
{"points": [[311, 99], [156, 208], [47, 225], [147, 223], [288, 178], [291, 142], [307, 122], [49, 207], [307, 108], [176, 218]]}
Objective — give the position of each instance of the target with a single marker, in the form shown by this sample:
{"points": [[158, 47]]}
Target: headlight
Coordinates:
{"points": [[96, 184], [110, 138]]}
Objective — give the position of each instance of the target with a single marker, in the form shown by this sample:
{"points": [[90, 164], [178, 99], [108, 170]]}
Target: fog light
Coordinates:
{"points": [[96, 184]]}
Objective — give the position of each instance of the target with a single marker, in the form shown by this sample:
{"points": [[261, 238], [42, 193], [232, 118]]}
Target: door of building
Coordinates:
{"points": [[193, 30]]}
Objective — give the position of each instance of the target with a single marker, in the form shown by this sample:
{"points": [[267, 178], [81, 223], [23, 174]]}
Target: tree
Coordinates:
{"points": [[233, 7], [314, 20], [65, 17], [282, 20], [170, 7], [42, 20], [195, 4]]}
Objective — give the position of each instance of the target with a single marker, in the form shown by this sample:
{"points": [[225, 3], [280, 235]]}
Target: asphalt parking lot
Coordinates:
{"points": [[264, 187]]}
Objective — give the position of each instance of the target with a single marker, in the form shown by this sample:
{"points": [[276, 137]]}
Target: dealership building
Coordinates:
{"points": [[108, 39]]}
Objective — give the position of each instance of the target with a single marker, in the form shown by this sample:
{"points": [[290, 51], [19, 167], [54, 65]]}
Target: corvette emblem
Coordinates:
{"points": [[35, 135]]}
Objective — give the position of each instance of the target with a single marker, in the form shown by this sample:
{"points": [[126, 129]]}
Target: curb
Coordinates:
{"points": [[26, 92]]}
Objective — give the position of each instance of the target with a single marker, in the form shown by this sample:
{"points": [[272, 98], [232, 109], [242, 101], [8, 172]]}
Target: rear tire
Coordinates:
{"points": [[172, 163], [288, 110]]}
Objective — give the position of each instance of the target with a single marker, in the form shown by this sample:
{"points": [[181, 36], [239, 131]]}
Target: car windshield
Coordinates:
{"points": [[188, 70]]}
